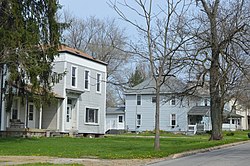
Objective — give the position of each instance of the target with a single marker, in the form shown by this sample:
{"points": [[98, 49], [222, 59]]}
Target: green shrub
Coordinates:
{"points": [[230, 134], [209, 132]]}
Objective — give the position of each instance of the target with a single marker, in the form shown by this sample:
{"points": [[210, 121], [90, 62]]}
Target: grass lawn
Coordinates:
{"points": [[111, 147]]}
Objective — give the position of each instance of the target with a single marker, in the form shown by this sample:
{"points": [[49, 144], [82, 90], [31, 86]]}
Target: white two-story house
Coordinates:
{"points": [[80, 98], [179, 112], [140, 106]]}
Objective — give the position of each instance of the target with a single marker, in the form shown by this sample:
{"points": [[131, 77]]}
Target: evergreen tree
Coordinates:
{"points": [[28, 43], [137, 77]]}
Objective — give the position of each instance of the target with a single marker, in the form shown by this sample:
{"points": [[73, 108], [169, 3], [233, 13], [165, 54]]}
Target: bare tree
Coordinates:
{"points": [[103, 40], [222, 38], [162, 36]]}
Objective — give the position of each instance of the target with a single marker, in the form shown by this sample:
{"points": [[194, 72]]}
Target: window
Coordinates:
{"points": [[173, 120], [120, 118], [14, 113], [138, 119], [15, 109], [86, 80], [91, 115], [173, 100], [205, 102], [73, 76], [31, 112], [138, 99], [153, 99], [67, 116], [98, 82]]}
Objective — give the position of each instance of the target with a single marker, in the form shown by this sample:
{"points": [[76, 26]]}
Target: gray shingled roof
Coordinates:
{"points": [[199, 110], [115, 110], [205, 110], [171, 85]]}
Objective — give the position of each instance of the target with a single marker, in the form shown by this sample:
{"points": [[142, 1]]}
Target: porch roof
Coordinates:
{"points": [[199, 110], [205, 110], [115, 110], [78, 92], [231, 115]]}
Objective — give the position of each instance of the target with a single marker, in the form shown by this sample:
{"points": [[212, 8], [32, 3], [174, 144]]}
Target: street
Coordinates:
{"points": [[238, 155]]}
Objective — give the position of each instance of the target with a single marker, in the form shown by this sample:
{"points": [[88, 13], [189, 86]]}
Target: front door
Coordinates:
{"points": [[120, 122], [69, 116], [31, 116]]}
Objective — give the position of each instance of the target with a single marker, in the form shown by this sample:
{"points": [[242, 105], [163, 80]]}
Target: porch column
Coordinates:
{"points": [[230, 123], [41, 117], [59, 105]]}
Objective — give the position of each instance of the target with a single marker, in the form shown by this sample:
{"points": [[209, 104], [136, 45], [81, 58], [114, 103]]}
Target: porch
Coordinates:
{"points": [[199, 120]]}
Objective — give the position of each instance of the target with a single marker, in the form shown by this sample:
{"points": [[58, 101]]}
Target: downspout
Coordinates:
{"points": [[1, 96]]}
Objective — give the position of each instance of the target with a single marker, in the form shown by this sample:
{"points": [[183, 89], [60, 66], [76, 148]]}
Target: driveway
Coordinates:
{"points": [[238, 155]]}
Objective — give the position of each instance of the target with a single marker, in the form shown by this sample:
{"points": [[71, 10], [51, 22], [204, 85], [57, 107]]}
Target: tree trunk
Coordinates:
{"points": [[216, 113], [215, 91], [215, 94], [157, 118]]}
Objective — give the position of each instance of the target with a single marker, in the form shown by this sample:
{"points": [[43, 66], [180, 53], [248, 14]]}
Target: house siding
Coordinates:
{"points": [[147, 111], [49, 117], [85, 98], [59, 67]]}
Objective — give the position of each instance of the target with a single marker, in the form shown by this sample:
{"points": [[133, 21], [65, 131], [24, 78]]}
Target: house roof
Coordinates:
{"points": [[115, 110], [199, 110], [205, 111], [231, 115], [171, 85], [73, 51]]}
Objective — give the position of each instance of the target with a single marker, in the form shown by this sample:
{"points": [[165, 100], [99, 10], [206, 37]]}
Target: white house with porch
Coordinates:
{"points": [[80, 98], [178, 112]]}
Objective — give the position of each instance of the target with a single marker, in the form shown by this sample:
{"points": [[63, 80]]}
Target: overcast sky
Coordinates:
{"points": [[86, 8]]}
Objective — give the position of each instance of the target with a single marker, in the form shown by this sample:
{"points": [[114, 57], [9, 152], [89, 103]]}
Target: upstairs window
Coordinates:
{"points": [[98, 82], [138, 99], [153, 99], [205, 102], [86, 80], [73, 76], [173, 101]]}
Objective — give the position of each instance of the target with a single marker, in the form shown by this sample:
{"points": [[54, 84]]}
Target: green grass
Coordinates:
{"points": [[113, 147]]}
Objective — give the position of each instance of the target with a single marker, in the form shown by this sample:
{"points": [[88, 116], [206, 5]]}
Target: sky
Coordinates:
{"points": [[86, 8], [98, 8]]}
